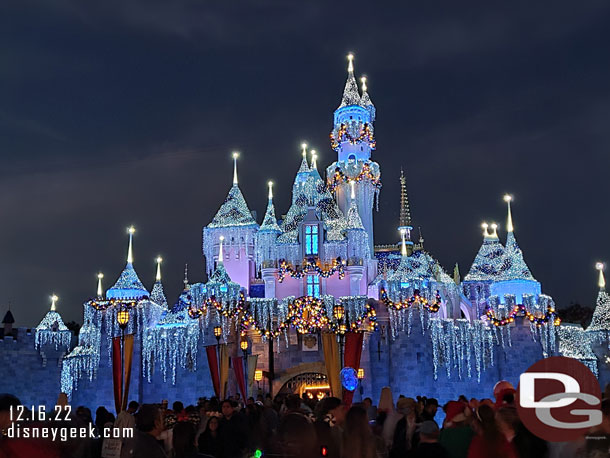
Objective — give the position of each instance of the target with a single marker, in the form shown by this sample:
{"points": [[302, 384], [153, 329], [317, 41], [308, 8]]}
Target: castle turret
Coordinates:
{"points": [[235, 223], [128, 285], [353, 139], [52, 330], [266, 237], [405, 226], [357, 238], [601, 315], [157, 294]]}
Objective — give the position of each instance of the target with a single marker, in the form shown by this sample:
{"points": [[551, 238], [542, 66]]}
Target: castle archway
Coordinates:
{"points": [[297, 374]]}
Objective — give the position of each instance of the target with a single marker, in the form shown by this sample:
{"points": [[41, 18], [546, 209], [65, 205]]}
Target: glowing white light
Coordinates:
{"points": [[235, 156], [220, 252], [350, 65], [131, 231], [363, 79], [509, 219], [270, 184], [159, 260], [54, 299], [100, 291], [602, 280]]}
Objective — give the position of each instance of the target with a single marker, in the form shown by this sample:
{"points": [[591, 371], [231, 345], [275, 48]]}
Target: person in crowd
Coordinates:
{"points": [[233, 430], [526, 444], [597, 441], [358, 440], [149, 424], [402, 441], [296, 438], [429, 446], [489, 440], [430, 409], [184, 441], [329, 425], [371, 410], [457, 433], [387, 417], [132, 408], [209, 442]]}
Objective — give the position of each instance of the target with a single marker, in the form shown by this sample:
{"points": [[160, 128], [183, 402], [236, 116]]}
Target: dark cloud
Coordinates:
{"points": [[116, 113]]}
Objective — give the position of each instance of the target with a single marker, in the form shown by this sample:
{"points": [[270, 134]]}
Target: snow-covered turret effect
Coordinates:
{"points": [[128, 285], [157, 294]]}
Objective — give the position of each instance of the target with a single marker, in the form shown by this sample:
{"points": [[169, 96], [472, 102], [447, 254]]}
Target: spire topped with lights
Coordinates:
{"points": [[404, 227], [54, 300], [100, 291], [601, 315], [513, 266], [351, 95], [601, 282], [365, 100], [270, 221], [157, 294], [353, 217], [488, 260], [235, 156], [304, 168], [128, 285], [52, 330]]}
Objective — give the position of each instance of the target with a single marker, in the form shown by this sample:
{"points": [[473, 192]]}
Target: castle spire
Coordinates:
{"points": [[404, 226], [186, 276], [509, 219], [602, 280], [270, 221], [159, 260], [54, 300], [157, 294], [365, 100], [350, 93], [314, 158], [304, 165], [235, 156], [100, 291], [131, 230]]}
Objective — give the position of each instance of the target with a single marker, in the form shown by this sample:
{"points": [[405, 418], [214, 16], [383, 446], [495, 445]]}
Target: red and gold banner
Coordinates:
{"points": [[127, 358], [238, 368], [351, 358], [117, 376], [210, 351], [331, 358]]}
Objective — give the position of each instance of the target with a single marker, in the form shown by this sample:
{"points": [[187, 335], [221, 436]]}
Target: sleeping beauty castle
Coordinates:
{"points": [[309, 304]]}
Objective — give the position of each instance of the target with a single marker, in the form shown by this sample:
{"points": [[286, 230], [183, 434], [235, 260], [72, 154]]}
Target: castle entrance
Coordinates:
{"points": [[313, 384]]}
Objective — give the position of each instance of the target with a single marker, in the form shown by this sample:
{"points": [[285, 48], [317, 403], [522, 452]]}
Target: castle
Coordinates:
{"points": [[286, 292]]}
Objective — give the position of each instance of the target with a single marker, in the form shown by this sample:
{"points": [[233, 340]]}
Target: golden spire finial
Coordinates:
{"points": [[100, 291], [270, 185], [54, 300], [602, 280], [494, 228], [363, 80], [484, 225], [235, 156], [131, 230], [350, 65], [159, 260]]}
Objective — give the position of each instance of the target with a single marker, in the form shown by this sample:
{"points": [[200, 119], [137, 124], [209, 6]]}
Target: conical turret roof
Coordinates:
{"points": [[128, 285], [488, 260], [513, 265], [351, 96], [234, 211], [365, 100]]}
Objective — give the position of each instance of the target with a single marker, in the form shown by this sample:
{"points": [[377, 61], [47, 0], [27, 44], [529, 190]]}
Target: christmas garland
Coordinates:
{"points": [[550, 315], [103, 304], [307, 315], [238, 311], [310, 265], [342, 135], [340, 177], [416, 299]]}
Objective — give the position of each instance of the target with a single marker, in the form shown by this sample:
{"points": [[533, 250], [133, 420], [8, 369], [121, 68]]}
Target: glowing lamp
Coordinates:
{"points": [[217, 331], [122, 317], [258, 375], [360, 374], [244, 345], [338, 312]]}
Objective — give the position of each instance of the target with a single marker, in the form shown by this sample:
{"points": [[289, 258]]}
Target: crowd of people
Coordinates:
{"points": [[302, 427]]}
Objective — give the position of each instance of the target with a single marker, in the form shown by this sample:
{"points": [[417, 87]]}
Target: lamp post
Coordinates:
{"points": [[339, 313], [244, 348], [258, 376], [218, 335], [122, 318]]}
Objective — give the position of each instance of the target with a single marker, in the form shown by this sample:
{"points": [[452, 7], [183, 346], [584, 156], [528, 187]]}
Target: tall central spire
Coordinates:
{"points": [[159, 260], [54, 300], [405, 211], [100, 291], [131, 231], [235, 156], [602, 280], [351, 96]]}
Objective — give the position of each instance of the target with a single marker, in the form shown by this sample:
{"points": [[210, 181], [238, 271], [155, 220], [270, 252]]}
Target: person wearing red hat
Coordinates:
{"points": [[457, 433]]}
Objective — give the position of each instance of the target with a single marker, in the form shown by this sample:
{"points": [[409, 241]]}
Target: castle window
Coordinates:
{"points": [[311, 239], [313, 285]]}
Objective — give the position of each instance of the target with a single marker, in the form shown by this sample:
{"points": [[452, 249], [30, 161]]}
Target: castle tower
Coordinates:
{"points": [[157, 294], [353, 139], [128, 285], [235, 223], [266, 236], [405, 226]]}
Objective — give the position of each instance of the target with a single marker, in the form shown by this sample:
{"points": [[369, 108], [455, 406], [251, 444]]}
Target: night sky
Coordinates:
{"points": [[126, 113]]}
